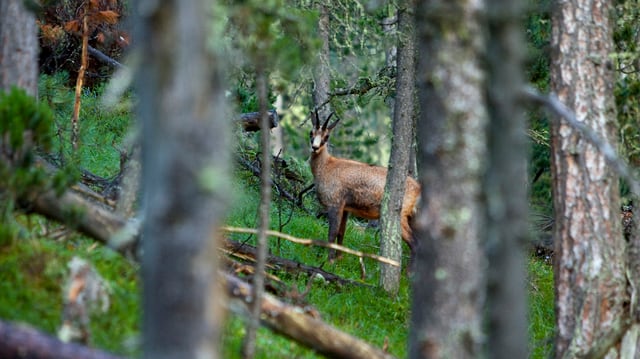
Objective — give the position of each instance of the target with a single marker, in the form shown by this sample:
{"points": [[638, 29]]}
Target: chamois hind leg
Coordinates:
{"points": [[335, 215]]}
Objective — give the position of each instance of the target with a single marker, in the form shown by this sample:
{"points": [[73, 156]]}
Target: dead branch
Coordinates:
{"points": [[313, 242], [303, 192], [92, 220], [552, 103], [255, 170], [20, 341], [362, 87], [104, 58], [246, 252], [294, 323], [251, 121]]}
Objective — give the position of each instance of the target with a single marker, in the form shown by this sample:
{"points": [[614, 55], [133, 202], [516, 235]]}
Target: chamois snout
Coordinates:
{"points": [[316, 142]]}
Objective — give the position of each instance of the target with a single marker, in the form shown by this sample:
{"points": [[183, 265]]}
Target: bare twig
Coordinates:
{"points": [[282, 192], [246, 253], [80, 79], [313, 242]]}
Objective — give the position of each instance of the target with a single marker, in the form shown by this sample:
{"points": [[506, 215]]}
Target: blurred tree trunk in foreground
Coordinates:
{"points": [[506, 184], [449, 281], [18, 47], [185, 178]]}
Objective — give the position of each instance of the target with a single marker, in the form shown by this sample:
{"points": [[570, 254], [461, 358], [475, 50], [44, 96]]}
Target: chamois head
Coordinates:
{"points": [[319, 136]]}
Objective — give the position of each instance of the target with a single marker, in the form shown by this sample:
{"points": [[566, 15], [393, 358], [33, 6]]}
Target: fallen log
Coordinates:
{"points": [[20, 341], [294, 323], [86, 217], [251, 120]]}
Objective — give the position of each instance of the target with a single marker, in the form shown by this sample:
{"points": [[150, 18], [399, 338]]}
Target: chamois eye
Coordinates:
{"points": [[310, 134]]}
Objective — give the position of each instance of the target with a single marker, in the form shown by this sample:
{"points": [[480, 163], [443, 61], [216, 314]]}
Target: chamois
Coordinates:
{"points": [[345, 186]]}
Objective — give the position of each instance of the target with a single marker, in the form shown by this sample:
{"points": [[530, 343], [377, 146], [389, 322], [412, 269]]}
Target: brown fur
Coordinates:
{"points": [[345, 186]]}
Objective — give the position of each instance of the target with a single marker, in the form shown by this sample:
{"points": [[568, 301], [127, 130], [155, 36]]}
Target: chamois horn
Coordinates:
{"points": [[315, 119], [324, 126]]}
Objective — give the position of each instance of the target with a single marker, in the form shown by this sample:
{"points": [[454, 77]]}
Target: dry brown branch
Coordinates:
{"points": [[80, 80], [246, 253], [313, 242], [552, 103]]}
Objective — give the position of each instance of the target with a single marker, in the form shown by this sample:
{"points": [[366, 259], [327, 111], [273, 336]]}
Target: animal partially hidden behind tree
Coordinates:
{"points": [[345, 186]]}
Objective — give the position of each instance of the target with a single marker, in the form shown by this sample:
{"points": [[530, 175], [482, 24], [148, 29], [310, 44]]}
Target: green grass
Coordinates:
{"points": [[33, 268], [32, 274], [541, 309]]}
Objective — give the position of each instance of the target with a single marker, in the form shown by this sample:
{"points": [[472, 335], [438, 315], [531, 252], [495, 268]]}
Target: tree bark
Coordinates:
{"points": [[18, 47], [249, 347], [591, 263], [185, 156], [505, 184], [322, 78], [449, 282], [401, 146]]}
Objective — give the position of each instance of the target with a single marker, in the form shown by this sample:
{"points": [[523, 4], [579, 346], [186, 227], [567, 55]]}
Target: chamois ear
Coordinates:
{"points": [[324, 126]]}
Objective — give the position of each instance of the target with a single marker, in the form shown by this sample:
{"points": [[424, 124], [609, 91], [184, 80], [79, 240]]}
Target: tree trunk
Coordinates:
{"points": [[249, 345], [449, 283], [18, 47], [505, 184], [590, 264], [185, 178], [322, 78], [401, 145]]}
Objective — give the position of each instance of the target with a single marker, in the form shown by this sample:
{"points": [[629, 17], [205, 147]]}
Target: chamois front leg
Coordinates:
{"points": [[335, 216], [341, 230]]}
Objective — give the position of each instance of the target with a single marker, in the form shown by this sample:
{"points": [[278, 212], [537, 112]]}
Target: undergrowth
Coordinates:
{"points": [[33, 267]]}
